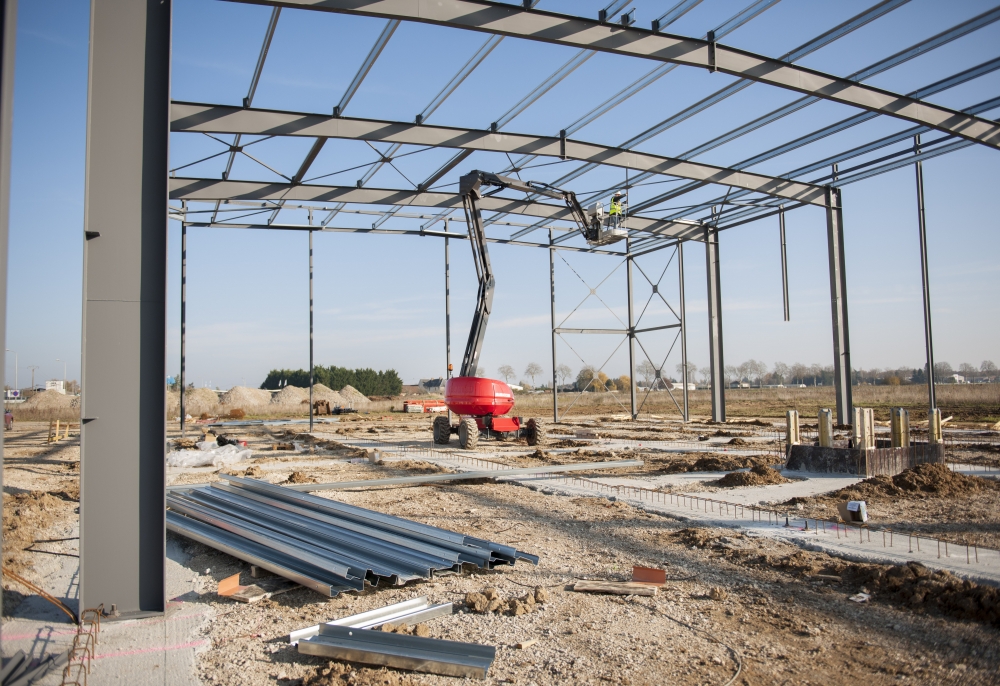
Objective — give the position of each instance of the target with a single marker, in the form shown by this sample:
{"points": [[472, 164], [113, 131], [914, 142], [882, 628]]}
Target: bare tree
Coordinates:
{"points": [[706, 374], [691, 367], [532, 370], [731, 373], [988, 369], [564, 372], [780, 372], [816, 371], [506, 371], [647, 371], [799, 372], [480, 372], [744, 370], [967, 370]]}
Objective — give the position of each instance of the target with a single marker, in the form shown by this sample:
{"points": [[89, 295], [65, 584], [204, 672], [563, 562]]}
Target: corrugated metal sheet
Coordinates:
{"points": [[326, 545]]}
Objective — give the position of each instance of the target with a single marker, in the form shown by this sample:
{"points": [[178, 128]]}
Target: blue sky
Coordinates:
{"points": [[380, 299]]}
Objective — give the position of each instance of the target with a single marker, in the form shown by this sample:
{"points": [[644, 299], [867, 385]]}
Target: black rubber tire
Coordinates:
{"points": [[468, 434], [536, 432], [442, 430]]}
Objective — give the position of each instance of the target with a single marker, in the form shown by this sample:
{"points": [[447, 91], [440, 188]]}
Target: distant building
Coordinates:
{"points": [[55, 385], [433, 385], [955, 378]]}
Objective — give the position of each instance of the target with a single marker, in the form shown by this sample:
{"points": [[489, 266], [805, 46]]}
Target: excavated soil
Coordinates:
{"points": [[924, 480], [757, 476], [26, 518]]}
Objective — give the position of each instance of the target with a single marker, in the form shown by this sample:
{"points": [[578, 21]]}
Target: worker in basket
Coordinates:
{"points": [[615, 215]]}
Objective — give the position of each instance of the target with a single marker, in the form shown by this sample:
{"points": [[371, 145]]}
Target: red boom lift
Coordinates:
{"points": [[482, 403]]}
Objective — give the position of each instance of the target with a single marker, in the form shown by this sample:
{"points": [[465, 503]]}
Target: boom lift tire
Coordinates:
{"points": [[468, 434], [536, 432], [442, 430]]}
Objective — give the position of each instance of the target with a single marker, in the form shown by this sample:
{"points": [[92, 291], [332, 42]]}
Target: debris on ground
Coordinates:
{"points": [[932, 479], [489, 600], [615, 587]]}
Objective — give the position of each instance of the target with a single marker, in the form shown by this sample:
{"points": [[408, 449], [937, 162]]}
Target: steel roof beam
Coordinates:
{"points": [[194, 117], [194, 189], [579, 32]]}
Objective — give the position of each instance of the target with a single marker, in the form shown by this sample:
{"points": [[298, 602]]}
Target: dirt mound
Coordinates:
{"points": [[417, 467], [300, 478], [26, 516], [757, 476], [738, 441], [290, 395], [200, 400], [48, 400], [924, 480], [321, 392], [353, 396], [243, 397]]}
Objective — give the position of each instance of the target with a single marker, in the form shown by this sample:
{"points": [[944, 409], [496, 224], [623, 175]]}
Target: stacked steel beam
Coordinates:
{"points": [[323, 544]]}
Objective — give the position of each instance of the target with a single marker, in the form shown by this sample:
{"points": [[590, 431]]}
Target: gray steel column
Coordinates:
{"points": [[838, 302], [631, 325], [8, 32], [715, 361], [552, 304], [447, 310], [184, 257], [312, 381], [123, 421], [784, 265], [684, 336], [925, 281]]}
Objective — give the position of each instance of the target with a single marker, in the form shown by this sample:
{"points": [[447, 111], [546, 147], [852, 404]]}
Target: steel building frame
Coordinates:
{"points": [[130, 114]]}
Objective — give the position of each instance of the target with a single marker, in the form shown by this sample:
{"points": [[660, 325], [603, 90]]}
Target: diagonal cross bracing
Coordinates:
{"points": [[549, 27], [192, 117]]}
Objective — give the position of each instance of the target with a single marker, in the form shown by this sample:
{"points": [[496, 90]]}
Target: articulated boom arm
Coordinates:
{"points": [[469, 188]]}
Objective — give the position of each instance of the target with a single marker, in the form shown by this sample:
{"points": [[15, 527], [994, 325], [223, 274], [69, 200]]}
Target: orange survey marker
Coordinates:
{"points": [[649, 575]]}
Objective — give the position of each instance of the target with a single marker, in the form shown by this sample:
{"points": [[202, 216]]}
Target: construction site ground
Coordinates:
{"points": [[742, 595]]}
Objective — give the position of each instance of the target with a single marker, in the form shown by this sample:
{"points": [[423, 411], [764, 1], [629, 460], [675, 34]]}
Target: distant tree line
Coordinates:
{"points": [[368, 381]]}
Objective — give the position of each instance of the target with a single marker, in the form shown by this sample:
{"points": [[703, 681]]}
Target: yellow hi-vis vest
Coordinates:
{"points": [[616, 207]]}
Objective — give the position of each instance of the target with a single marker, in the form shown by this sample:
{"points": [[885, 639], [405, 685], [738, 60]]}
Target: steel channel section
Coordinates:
{"points": [[414, 653], [684, 346], [428, 549], [838, 303], [925, 281], [8, 35], [184, 252], [430, 534], [349, 574], [508, 20], [409, 611], [123, 433], [382, 560], [631, 327], [784, 265], [440, 558], [714, 294], [256, 554]]}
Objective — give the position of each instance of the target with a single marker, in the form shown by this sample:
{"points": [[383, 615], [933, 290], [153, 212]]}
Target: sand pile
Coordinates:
{"points": [[290, 395], [757, 476], [48, 400], [321, 392], [924, 480], [243, 397], [353, 396], [199, 400]]}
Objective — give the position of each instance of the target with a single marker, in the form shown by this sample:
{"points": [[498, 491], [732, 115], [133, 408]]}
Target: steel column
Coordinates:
{"points": [[123, 422], [447, 310], [8, 33], [552, 305], [784, 265], [631, 326], [684, 343], [838, 302], [714, 292], [312, 382], [925, 281], [184, 257]]}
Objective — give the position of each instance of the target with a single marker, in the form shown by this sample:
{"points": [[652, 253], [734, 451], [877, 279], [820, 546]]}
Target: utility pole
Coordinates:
{"points": [[64, 372], [16, 387], [33, 367]]}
